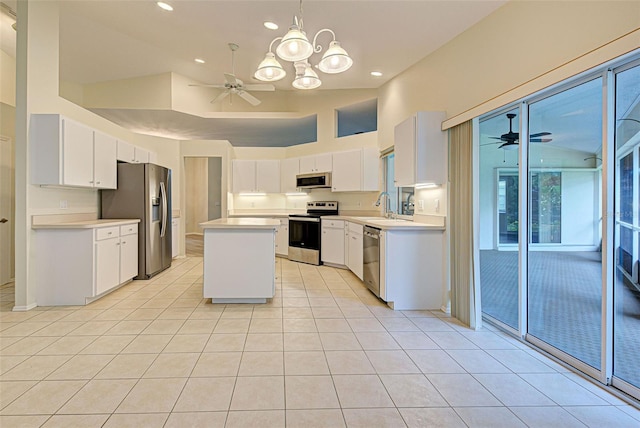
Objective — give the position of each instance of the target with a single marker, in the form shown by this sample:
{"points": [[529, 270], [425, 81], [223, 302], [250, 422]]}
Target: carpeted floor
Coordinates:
{"points": [[564, 304]]}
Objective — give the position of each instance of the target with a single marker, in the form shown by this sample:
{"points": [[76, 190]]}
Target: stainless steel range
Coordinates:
{"points": [[304, 231]]}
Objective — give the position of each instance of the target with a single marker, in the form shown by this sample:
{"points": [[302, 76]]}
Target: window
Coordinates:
{"points": [[400, 198]]}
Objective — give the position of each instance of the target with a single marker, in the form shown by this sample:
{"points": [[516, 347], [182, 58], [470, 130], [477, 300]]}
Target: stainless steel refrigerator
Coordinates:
{"points": [[144, 192]]}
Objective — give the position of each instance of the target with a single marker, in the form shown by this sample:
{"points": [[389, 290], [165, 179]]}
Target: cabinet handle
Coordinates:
{"points": [[353, 237], [109, 233], [117, 243], [97, 182], [91, 182]]}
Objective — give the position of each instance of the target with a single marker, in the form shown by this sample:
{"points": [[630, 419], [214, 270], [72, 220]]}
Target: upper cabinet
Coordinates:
{"points": [[316, 163], [129, 153], [256, 176], [421, 150], [289, 168], [67, 153], [355, 170]]}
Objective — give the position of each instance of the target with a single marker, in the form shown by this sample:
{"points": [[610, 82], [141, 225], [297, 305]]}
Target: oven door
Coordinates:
{"points": [[304, 239]]}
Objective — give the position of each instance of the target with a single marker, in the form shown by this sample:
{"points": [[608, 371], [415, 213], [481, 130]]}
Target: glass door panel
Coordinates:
{"points": [[498, 199], [626, 327], [564, 277]]}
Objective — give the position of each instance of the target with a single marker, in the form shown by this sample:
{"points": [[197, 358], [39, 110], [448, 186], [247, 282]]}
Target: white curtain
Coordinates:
{"points": [[464, 302]]}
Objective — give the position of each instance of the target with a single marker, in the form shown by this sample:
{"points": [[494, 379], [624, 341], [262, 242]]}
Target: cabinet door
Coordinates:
{"points": [[347, 171], [244, 176], [307, 164], [405, 153], [105, 164], [333, 245], [107, 265], [355, 249], [153, 157], [370, 169], [77, 149], [289, 168], [141, 155], [324, 162], [126, 152], [128, 257], [268, 176]]}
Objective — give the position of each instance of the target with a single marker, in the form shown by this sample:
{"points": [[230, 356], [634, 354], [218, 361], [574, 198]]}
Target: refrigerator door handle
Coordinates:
{"points": [[163, 192]]}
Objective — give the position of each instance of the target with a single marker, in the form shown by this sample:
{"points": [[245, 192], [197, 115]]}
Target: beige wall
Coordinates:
{"points": [[519, 42], [7, 79]]}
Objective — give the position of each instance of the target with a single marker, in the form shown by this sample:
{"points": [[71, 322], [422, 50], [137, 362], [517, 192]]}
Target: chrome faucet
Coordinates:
{"points": [[386, 205]]}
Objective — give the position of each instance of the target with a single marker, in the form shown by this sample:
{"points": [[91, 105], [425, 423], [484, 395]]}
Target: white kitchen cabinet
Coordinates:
{"points": [[175, 237], [289, 169], [68, 153], [129, 153], [412, 269], [107, 256], [141, 155], [316, 163], [105, 170], [268, 176], [282, 238], [355, 170], [256, 176], [420, 148], [94, 261], [333, 242], [354, 249], [128, 252]]}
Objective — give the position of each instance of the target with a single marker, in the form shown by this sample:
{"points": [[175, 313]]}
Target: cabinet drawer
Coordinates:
{"points": [[107, 232], [334, 224], [356, 228], [128, 229]]}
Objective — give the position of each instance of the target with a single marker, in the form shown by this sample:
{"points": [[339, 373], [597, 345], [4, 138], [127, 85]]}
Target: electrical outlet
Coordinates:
{"points": [[421, 205], [63, 204], [359, 204]]}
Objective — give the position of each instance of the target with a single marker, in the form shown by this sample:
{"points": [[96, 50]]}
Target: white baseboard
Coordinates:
{"points": [[24, 308]]}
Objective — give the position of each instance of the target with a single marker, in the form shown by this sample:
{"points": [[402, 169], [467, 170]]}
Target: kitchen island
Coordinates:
{"points": [[239, 260]]}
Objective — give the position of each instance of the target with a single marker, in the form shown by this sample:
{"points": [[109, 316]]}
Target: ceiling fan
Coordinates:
{"points": [[233, 85], [510, 139]]}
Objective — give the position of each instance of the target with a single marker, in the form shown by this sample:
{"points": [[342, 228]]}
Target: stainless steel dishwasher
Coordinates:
{"points": [[371, 259]]}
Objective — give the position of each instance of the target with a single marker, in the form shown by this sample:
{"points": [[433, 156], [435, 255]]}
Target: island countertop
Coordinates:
{"points": [[241, 223]]}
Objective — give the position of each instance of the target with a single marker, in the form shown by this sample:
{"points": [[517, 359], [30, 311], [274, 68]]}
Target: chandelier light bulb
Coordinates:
{"points": [[335, 59], [270, 69], [294, 46]]}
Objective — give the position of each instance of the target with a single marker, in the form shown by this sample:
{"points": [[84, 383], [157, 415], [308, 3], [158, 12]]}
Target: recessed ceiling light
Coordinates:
{"points": [[271, 25], [165, 6], [199, 61], [376, 73]]}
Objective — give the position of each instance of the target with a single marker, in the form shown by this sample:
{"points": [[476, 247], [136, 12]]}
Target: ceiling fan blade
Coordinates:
{"points": [[249, 98], [540, 140], [260, 87], [220, 97], [208, 86], [496, 138], [230, 78], [540, 134]]}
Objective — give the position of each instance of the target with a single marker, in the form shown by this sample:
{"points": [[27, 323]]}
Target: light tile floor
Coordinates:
{"points": [[323, 353]]}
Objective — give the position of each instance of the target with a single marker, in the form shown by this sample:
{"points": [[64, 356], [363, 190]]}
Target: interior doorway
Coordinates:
{"points": [[203, 198]]}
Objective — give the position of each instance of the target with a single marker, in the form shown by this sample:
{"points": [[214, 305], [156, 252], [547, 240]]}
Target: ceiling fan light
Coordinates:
{"points": [[270, 69], [307, 79], [509, 146], [335, 59], [294, 46]]}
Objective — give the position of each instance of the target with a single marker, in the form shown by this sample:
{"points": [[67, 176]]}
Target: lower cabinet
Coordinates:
{"points": [[354, 249], [333, 242], [76, 265], [282, 238]]}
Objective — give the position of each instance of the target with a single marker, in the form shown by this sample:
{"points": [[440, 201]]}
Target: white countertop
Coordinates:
{"points": [[265, 214], [241, 223], [387, 224], [86, 224]]}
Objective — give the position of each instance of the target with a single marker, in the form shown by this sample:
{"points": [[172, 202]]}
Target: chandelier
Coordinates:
{"points": [[295, 47]]}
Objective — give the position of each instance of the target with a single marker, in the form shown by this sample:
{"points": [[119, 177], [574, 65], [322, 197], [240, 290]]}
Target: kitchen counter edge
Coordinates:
{"points": [[87, 224], [400, 225], [241, 223]]}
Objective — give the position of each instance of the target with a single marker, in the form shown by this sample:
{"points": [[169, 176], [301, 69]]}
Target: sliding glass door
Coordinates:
{"points": [[564, 278], [499, 194], [626, 326]]}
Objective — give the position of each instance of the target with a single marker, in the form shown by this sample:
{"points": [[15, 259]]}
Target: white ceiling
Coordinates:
{"points": [[111, 40]]}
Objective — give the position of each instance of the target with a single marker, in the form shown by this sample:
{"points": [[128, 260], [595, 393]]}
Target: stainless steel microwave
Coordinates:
{"points": [[314, 180]]}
